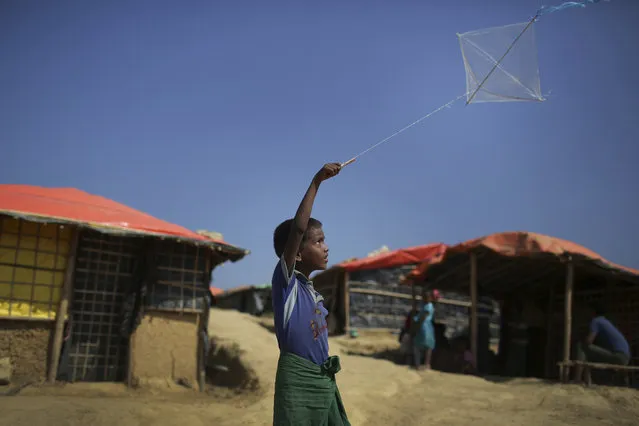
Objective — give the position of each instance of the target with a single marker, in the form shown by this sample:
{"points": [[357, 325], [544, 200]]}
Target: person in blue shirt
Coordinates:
{"points": [[604, 343], [424, 340], [305, 389]]}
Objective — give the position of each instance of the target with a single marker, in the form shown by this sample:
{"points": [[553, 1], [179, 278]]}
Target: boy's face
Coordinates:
{"points": [[314, 253]]}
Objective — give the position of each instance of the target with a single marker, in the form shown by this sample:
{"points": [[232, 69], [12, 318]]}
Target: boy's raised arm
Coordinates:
{"points": [[300, 223]]}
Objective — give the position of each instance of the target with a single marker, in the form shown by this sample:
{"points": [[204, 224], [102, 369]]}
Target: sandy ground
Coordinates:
{"points": [[375, 392]]}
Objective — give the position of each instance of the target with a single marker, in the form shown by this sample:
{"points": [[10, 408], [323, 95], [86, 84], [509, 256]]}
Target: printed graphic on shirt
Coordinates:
{"points": [[318, 324]]}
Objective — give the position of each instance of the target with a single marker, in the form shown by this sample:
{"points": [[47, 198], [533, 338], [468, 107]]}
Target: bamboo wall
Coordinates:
{"points": [[377, 300], [33, 260]]}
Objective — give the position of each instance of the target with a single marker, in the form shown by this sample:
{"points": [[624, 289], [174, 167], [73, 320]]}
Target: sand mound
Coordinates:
{"points": [[243, 354]]}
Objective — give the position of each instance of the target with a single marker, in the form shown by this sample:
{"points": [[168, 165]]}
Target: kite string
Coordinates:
{"points": [[419, 120], [566, 5]]}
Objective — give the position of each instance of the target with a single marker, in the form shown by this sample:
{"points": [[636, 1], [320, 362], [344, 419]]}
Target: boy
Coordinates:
{"points": [[305, 388]]}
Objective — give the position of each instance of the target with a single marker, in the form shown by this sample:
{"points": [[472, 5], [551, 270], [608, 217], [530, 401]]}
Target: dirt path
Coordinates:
{"points": [[375, 392]]}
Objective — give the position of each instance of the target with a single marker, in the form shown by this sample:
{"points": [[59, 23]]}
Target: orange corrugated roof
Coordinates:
{"points": [[395, 258], [216, 291], [76, 206], [238, 289], [517, 244]]}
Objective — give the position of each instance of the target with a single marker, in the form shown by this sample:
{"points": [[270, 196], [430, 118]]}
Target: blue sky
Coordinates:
{"points": [[216, 114]]}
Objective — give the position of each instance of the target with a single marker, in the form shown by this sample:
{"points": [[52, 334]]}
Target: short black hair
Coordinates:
{"points": [[283, 230], [598, 308]]}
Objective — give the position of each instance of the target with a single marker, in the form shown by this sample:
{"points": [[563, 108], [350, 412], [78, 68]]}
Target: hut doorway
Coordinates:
{"points": [[96, 349]]}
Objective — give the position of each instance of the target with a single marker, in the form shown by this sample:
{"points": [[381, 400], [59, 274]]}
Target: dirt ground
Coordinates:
{"points": [[375, 392]]}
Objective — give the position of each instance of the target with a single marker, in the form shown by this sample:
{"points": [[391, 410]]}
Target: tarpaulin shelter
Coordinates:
{"points": [[365, 292], [250, 299], [215, 293], [550, 270], [102, 287]]}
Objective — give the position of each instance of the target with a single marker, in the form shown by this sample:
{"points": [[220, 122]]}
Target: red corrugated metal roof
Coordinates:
{"points": [[76, 206]]}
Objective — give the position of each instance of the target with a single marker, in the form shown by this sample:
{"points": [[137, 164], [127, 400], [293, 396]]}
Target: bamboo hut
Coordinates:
{"points": [[367, 293], [215, 293], [558, 275], [92, 290], [250, 299]]}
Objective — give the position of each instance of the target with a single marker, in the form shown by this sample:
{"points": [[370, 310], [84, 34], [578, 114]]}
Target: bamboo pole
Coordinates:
{"points": [[148, 251], [202, 325], [347, 304], [604, 366], [130, 377], [199, 352], [473, 307], [570, 270], [407, 296], [549, 333], [63, 307]]}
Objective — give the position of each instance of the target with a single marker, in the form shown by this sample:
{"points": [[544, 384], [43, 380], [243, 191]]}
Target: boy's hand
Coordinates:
{"points": [[328, 171]]}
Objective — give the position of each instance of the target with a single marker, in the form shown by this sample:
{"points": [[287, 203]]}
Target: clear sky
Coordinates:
{"points": [[216, 114]]}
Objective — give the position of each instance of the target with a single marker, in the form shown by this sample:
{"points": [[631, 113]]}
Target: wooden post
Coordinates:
{"points": [[202, 324], [347, 304], [568, 318], [147, 253], [549, 334], [199, 351], [130, 377], [473, 307], [63, 307]]}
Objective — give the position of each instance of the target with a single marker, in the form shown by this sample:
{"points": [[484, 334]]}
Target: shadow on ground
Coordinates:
{"points": [[439, 364], [387, 354], [268, 324], [225, 368]]}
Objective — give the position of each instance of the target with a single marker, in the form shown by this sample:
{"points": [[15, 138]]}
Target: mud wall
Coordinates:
{"points": [[26, 343], [165, 346]]}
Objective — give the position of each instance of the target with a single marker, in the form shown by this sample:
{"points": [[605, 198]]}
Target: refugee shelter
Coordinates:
{"points": [[215, 293], [250, 299], [544, 273], [367, 293], [93, 290]]}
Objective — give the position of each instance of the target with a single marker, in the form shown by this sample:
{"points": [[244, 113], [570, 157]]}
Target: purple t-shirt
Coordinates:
{"points": [[300, 316], [608, 337]]}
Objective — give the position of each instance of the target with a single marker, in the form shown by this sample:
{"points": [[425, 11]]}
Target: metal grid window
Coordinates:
{"points": [[33, 260], [180, 276], [105, 271]]}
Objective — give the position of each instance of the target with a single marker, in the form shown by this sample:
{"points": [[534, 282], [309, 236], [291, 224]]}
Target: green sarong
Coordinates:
{"points": [[306, 393]]}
